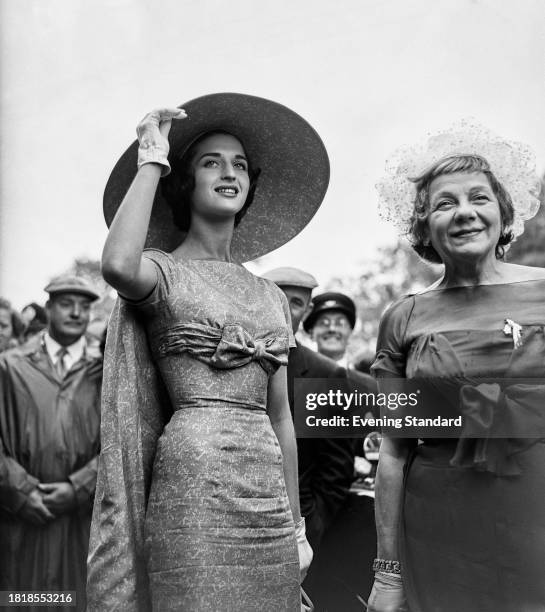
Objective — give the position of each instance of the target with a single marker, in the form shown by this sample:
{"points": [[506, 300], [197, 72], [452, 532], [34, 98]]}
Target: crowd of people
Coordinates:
{"points": [[161, 470]]}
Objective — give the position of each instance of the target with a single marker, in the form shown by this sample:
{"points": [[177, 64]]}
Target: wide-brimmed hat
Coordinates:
{"points": [[330, 301], [69, 283], [288, 151]]}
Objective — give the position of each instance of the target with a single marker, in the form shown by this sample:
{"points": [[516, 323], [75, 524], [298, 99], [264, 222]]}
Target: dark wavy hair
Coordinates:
{"points": [[177, 188], [448, 165]]}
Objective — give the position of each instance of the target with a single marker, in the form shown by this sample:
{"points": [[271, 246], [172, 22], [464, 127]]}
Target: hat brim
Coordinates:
{"points": [[291, 186], [75, 289]]}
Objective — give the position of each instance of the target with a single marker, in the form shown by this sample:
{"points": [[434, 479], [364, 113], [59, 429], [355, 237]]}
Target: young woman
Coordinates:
{"points": [[197, 502]]}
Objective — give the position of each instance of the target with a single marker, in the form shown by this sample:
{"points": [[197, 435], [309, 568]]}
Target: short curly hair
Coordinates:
{"points": [[448, 165], [177, 188]]}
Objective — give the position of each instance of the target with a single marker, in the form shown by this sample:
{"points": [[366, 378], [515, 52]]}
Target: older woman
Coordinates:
{"points": [[460, 521], [197, 504]]}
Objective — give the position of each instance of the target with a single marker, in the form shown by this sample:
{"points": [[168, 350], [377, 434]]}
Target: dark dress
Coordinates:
{"points": [[218, 529], [473, 522]]}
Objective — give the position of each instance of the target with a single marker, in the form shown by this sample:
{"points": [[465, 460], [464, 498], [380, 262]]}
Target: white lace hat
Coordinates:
{"points": [[512, 163]]}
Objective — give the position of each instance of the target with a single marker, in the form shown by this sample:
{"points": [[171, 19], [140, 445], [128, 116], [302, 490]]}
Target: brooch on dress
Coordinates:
{"points": [[513, 329]]}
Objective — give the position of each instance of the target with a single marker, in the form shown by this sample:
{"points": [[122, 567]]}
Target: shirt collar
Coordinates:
{"points": [[343, 361], [75, 350]]}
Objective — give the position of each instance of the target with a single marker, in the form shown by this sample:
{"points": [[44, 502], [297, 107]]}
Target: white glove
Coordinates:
{"points": [[387, 594], [152, 134], [303, 548]]}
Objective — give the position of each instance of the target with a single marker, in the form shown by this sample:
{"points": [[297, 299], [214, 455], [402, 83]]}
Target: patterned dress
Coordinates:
{"points": [[218, 532], [473, 525]]}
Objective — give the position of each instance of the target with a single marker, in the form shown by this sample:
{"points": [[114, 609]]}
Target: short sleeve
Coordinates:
{"points": [[391, 356], [287, 315], [165, 266]]}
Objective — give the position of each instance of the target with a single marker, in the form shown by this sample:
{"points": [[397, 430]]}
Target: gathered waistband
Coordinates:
{"points": [[203, 403]]}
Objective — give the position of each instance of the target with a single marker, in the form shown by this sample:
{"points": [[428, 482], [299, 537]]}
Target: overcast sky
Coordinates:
{"points": [[369, 75]]}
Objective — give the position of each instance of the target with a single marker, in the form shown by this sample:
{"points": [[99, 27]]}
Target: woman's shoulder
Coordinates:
{"points": [[395, 318], [400, 308], [511, 276], [516, 273], [270, 286], [170, 262], [274, 291], [435, 285], [159, 257]]}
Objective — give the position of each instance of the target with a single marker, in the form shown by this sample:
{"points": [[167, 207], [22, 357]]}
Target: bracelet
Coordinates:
{"points": [[152, 154], [300, 527], [387, 565]]}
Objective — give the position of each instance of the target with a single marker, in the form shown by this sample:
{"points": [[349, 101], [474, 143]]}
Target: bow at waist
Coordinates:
{"points": [[230, 346], [498, 424]]}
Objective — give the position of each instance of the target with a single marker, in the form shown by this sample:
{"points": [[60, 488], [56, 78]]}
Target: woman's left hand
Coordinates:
{"points": [[303, 548]]}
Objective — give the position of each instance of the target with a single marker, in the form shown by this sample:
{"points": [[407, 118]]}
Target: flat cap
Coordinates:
{"points": [[68, 283], [330, 301], [291, 277]]}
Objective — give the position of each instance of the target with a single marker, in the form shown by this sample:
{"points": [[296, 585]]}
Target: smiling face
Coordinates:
{"points": [[221, 177], [331, 333], [68, 315], [464, 221]]}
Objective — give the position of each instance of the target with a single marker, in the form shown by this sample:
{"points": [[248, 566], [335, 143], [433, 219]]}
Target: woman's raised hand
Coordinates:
{"points": [[152, 134], [123, 265]]}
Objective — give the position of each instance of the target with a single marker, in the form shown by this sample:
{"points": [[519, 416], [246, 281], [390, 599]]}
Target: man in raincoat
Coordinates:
{"points": [[49, 442]]}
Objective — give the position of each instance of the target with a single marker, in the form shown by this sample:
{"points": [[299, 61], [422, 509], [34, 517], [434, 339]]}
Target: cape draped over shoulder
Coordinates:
{"points": [[133, 417]]}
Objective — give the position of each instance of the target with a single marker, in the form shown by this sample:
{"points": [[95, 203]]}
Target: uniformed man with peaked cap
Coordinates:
{"points": [[330, 324]]}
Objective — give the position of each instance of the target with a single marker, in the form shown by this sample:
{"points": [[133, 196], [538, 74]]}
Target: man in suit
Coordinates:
{"points": [[341, 535], [326, 465]]}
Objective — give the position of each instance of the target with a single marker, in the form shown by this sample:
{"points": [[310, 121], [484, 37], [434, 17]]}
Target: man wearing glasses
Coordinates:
{"points": [[330, 323]]}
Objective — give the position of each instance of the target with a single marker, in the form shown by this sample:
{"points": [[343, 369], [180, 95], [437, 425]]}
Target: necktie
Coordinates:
{"points": [[60, 365]]}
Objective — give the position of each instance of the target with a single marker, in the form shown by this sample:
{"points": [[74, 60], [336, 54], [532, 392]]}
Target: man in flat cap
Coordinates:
{"points": [[330, 323], [49, 442]]}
